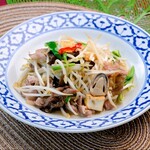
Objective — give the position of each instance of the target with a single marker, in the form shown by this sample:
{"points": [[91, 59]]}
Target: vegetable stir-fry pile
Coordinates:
{"points": [[77, 78]]}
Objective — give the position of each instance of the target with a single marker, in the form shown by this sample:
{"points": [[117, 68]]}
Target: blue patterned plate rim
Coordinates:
{"points": [[137, 107]]}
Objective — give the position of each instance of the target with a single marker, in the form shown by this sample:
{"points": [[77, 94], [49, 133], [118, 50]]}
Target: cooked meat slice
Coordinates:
{"points": [[40, 54], [89, 113], [30, 102], [84, 111], [81, 109], [31, 80], [119, 84], [70, 91], [52, 58], [57, 103], [40, 102], [54, 103], [43, 102], [30, 98], [65, 89], [115, 66], [108, 105], [80, 100], [116, 81], [74, 108]]}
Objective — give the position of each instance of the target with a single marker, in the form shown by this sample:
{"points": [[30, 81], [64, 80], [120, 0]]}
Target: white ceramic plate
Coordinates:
{"points": [[131, 40]]}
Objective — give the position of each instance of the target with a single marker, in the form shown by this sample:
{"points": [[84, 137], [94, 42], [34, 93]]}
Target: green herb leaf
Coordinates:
{"points": [[67, 99], [52, 45], [116, 53], [130, 76]]}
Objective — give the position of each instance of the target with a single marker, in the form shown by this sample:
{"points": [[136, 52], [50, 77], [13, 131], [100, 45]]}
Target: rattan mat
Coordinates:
{"points": [[134, 135]]}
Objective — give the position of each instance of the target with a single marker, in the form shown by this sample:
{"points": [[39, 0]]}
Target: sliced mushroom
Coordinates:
{"points": [[99, 85]]}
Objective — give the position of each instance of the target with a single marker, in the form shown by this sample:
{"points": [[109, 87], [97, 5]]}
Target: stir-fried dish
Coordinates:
{"points": [[77, 78]]}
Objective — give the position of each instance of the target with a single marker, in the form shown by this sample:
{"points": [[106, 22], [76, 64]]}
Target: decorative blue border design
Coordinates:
{"points": [[18, 36]]}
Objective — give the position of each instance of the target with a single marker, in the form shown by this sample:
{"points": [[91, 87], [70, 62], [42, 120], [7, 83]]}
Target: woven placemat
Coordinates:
{"points": [[134, 135]]}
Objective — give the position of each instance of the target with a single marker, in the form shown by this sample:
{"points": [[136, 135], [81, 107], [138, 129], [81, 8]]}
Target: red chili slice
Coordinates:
{"points": [[70, 49]]}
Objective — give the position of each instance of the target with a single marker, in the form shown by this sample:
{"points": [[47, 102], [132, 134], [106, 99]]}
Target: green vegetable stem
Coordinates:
{"points": [[116, 53], [58, 67], [67, 99], [120, 98], [130, 76]]}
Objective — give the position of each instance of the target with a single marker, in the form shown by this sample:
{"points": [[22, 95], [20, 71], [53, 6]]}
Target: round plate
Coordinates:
{"points": [[129, 39]]}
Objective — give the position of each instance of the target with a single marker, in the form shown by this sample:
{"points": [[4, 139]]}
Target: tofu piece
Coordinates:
{"points": [[94, 103]]}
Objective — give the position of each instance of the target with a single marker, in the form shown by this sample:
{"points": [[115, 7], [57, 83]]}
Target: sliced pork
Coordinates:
{"points": [[40, 54]]}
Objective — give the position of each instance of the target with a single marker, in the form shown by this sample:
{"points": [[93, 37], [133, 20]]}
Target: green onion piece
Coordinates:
{"points": [[130, 76], [84, 44], [67, 99], [65, 57], [66, 61], [116, 53], [120, 98], [58, 67], [52, 45]]}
